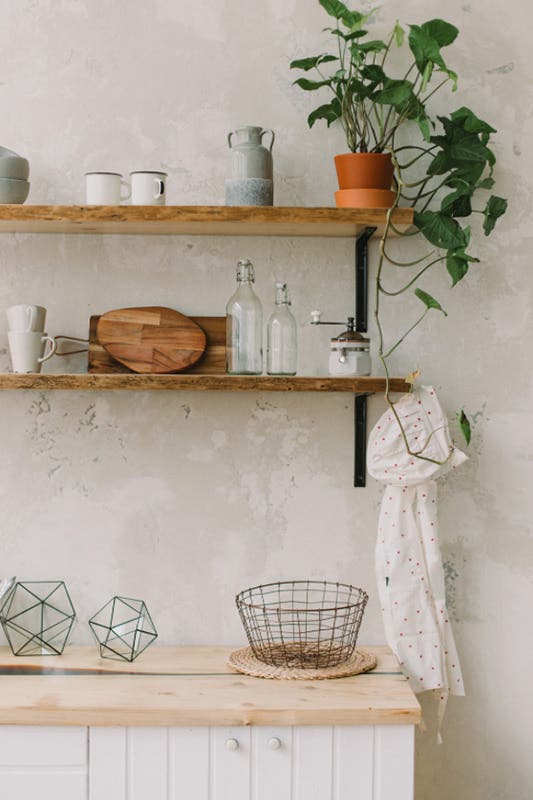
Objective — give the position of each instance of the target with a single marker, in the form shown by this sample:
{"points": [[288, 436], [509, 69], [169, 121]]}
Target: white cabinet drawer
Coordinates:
{"points": [[36, 746], [49, 785]]}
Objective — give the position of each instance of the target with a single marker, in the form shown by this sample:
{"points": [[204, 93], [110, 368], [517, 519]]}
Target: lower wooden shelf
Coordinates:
{"points": [[200, 383]]}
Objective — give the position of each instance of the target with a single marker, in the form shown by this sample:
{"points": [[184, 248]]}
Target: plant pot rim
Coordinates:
{"points": [[372, 155]]}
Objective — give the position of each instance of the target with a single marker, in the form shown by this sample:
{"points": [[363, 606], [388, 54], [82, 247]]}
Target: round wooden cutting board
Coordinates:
{"points": [[151, 339]]}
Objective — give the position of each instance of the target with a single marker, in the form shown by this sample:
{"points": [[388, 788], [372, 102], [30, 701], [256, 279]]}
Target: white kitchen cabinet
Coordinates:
{"points": [[220, 763], [179, 724]]}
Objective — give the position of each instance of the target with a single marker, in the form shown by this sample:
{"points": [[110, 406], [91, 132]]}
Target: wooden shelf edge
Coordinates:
{"points": [[202, 383], [198, 220]]}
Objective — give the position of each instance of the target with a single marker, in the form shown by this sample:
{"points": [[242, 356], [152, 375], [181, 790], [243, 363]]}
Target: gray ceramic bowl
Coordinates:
{"points": [[13, 166], [13, 191]]}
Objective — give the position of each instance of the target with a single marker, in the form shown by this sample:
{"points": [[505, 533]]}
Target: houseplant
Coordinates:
{"points": [[371, 105], [442, 175]]}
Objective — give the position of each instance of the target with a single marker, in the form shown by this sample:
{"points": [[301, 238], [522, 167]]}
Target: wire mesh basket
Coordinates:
{"points": [[306, 624]]}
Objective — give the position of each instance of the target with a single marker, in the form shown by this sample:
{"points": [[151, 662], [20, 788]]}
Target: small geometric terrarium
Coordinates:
{"points": [[123, 628], [37, 617]]}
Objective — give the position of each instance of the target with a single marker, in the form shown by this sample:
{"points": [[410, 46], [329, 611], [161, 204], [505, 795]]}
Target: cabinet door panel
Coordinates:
{"points": [[44, 785], [312, 762], [353, 762], [394, 762], [147, 763], [107, 763], [230, 768], [271, 765], [31, 745], [188, 767]]}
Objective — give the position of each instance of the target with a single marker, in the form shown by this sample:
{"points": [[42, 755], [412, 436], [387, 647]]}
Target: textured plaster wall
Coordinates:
{"points": [[183, 499]]}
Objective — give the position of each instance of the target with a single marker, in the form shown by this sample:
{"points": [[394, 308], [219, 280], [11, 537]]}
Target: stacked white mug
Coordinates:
{"points": [[27, 339]]}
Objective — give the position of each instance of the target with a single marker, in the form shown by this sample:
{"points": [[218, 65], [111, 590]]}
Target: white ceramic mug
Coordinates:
{"points": [[28, 350], [148, 188], [103, 189], [24, 318]]}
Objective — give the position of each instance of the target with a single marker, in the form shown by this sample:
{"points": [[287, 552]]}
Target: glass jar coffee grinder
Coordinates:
{"points": [[349, 351]]}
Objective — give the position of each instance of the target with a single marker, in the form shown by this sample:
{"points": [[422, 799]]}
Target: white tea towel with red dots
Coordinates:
{"points": [[408, 561]]}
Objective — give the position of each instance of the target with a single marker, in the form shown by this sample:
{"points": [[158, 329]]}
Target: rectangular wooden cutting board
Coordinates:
{"points": [[212, 363]]}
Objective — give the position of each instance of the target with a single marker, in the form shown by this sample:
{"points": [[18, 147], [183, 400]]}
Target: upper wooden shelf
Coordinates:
{"points": [[199, 383], [198, 220]]}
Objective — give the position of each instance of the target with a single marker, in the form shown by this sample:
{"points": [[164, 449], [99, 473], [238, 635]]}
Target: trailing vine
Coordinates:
{"points": [[441, 173]]}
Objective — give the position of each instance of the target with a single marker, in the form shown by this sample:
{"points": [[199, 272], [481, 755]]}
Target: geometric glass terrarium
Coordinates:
{"points": [[123, 628], [37, 617]]}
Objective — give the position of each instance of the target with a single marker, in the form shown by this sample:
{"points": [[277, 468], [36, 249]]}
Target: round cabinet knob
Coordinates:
{"points": [[232, 744], [274, 743]]}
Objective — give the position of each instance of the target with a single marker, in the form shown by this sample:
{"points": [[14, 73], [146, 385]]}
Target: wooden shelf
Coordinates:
{"points": [[198, 220], [199, 383]]}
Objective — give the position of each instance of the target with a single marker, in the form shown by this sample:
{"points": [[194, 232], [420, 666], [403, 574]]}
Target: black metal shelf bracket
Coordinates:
{"points": [[361, 325]]}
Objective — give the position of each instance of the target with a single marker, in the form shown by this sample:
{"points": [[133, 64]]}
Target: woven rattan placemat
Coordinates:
{"points": [[243, 660]]}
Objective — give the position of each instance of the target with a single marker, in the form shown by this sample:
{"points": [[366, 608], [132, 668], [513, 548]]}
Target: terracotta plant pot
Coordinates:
{"points": [[364, 198], [364, 170]]}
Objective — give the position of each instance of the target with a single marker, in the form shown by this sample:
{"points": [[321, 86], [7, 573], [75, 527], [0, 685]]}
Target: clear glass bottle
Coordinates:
{"points": [[244, 325], [281, 336]]}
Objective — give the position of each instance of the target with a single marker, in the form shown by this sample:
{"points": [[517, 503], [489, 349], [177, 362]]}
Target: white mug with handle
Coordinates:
{"points": [[103, 189], [24, 318], [148, 188], [28, 350]]}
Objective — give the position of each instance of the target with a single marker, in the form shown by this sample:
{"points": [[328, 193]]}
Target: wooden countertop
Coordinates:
{"points": [[175, 686]]}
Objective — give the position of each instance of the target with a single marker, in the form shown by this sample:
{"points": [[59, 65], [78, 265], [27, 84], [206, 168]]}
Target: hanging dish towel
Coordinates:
{"points": [[409, 569]]}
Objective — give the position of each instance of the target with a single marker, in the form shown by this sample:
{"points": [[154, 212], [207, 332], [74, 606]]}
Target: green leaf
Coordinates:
{"points": [[330, 112], [486, 183], [423, 122], [462, 152], [348, 37], [440, 230], [429, 301], [494, 209], [491, 158], [357, 90], [426, 77], [373, 73], [338, 10], [394, 93], [464, 425], [458, 203], [458, 260], [465, 173], [457, 264], [440, 164], [425, 42], [310, 86], [313, 61], [457, 267], [470, 122], [413, 109], [442, 32], [373, 46], [398, 33]]}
